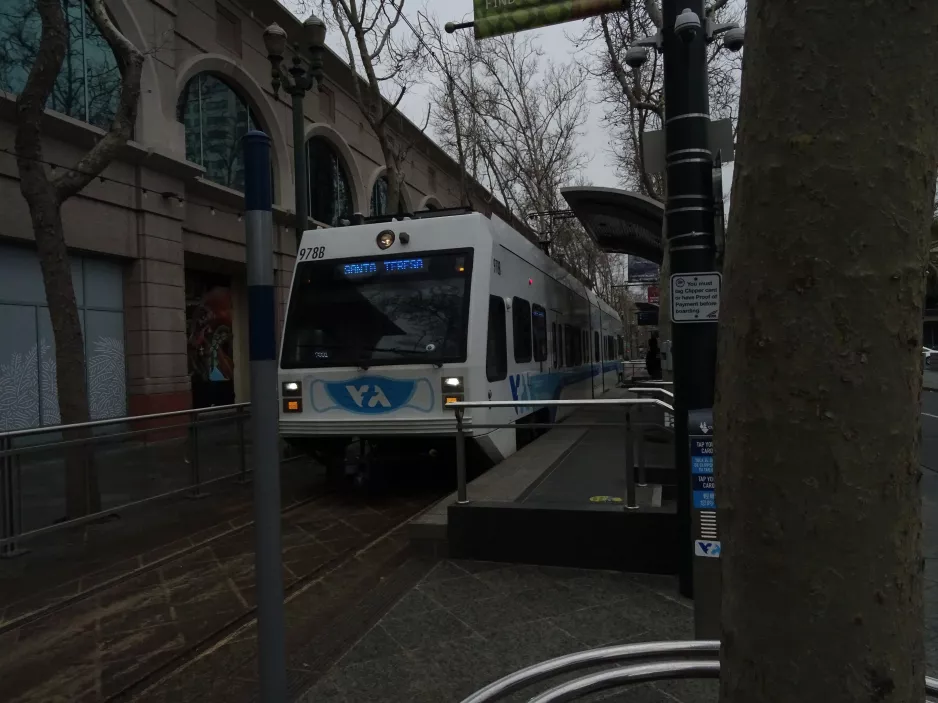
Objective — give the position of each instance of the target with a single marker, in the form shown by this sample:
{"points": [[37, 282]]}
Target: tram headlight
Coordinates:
{"points": [[385, 239], [452, 383], [290, 389], [453, 390]]}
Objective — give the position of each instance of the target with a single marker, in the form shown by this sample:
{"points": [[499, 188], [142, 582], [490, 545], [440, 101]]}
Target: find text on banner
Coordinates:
{"points": [[496, 17]]}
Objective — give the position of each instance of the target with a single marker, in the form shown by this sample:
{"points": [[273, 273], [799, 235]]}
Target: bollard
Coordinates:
{"points": [[265, 417], [630, 502], [460, 459]]}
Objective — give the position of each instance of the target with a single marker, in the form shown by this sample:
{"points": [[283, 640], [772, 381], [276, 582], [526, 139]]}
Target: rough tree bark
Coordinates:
{"points": [[820, 362], [44, 193]]}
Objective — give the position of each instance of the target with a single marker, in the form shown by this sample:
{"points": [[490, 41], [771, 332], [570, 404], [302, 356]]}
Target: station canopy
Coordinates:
{"points": [[620, 222]]}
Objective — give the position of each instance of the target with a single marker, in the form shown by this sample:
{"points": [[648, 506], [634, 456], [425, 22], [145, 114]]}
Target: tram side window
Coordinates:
{"points": [[496, 351], [521, 328], [586, 345], [553, 338], [569, 337], [539, 327], [560, 346], [595, 345]]}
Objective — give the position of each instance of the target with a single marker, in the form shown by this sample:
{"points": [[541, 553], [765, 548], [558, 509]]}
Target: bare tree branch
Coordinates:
{"points": [[654, 12], [103, 152]]}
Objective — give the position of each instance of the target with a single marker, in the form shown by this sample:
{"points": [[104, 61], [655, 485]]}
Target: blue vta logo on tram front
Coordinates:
{"points": [[372, 395]]}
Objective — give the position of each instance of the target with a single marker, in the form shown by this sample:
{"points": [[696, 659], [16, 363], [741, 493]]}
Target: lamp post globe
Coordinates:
{"points": [[275, 41], [314, 32]]}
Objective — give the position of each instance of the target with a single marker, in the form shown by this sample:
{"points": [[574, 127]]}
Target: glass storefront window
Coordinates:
{"points": [[89, 81], [216, 117]]}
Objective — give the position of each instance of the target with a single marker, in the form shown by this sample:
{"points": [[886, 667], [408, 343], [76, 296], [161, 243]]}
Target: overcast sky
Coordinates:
{"points": [[594, 141]]}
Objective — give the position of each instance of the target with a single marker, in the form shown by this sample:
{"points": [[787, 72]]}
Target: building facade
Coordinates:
{"points": [[157, 247]]}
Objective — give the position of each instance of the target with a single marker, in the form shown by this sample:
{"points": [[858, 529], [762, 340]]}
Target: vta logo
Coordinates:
{"points": [[368, 396]]}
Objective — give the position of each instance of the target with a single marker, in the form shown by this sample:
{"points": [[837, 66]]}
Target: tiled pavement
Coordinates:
{"points": [[467, 624]]}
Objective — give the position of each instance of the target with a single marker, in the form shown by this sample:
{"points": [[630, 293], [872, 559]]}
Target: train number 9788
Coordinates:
{"points": [[312, 253]]}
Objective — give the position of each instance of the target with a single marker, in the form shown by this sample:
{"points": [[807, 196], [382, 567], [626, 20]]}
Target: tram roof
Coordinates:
{"points": [[620, 222]]}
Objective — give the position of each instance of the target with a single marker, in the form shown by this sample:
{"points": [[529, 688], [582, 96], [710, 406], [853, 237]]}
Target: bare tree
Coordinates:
{"points": [[634, 97], [374, 47], [45, 192], [817, 439]]}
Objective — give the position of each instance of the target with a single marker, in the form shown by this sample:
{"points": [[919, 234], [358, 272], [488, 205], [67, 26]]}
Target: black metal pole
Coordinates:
{"points": [[299, 162], [689, 213]]}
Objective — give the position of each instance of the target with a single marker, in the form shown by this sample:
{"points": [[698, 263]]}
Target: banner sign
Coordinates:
{"points": [[497, 17], [641, 271], [654, 295]]}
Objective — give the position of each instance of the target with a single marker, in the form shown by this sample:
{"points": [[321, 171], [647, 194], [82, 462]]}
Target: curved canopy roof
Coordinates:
{"points": [[619, 221]]}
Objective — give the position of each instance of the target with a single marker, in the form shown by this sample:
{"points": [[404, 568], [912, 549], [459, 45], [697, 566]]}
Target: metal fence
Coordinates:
{"points": [[33, 465], [634, 433], [630, 664]]}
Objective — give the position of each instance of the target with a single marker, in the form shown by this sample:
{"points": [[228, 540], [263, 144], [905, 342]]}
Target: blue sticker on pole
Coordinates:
{"points": [[705, 500], [701, 455], [704, 482]]}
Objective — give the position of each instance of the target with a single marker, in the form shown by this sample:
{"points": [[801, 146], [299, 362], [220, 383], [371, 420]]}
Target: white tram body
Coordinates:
{"points": [[377, 340]]}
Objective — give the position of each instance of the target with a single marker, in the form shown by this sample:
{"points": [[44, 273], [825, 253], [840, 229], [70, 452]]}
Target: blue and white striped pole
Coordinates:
{"points": [[265, 413]]}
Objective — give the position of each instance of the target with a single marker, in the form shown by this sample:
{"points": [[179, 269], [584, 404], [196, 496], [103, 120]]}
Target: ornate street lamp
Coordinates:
{"points": [[296, 81]]}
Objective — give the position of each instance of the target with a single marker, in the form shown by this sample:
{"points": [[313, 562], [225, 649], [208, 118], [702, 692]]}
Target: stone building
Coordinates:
{"points": [[158, 254]]}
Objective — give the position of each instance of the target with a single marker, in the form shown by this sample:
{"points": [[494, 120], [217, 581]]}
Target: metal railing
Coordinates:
{"points": [[643, 663], [81, 435], [630, 442]]}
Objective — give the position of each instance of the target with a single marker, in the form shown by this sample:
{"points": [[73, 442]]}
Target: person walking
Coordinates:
{"points": [[653, 358]]}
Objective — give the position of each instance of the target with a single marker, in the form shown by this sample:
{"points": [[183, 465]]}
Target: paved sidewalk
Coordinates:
{"points": [[467, 624]]}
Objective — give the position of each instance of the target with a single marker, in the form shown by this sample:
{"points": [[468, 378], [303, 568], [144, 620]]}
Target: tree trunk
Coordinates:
{"points": [[44, 204], [44, 195], [820, 362]]}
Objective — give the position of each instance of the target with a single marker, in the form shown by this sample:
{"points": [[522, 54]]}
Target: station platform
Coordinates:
{"points": [[560, 501]]}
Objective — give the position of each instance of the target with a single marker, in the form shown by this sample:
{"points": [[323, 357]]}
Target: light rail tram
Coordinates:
{"points": [[389, 320]]}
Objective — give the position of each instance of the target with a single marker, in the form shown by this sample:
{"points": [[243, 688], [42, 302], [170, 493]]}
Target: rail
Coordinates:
{"points": [[632, 664], [79, 435], [630, 479]]}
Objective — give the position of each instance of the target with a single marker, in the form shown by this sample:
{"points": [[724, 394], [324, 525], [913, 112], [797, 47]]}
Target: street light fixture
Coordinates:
{"points": [[296, 81]]}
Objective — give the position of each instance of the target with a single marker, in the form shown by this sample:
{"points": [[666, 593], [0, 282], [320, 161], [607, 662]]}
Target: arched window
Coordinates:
{"points": [[330, 196], [216, 117], [89, 82], [379, 198]]}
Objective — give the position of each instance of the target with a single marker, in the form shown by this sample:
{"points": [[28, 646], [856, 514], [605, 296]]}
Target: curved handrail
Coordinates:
{"points": [[700, 665], [628, 676], [581, 660]]}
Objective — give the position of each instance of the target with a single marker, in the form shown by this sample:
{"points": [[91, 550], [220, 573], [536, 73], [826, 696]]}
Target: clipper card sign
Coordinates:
{"points": [[496, 17]]}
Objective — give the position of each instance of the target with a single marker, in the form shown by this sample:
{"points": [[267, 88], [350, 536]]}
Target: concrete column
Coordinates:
{"points": [[155, 320]]}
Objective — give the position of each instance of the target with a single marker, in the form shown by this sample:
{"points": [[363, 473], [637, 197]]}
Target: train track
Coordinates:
{"points": [[152, 679], [70, 601]]}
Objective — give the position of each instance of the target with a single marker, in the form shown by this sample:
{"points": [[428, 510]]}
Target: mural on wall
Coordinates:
{"points": [[211, 349], [28, 389], [28, 393]]}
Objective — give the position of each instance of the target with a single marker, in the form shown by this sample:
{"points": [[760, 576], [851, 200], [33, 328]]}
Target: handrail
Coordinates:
{"points": [[656, 661], [460, 407], [11, 531], [532, 403], [630, 675], [652, 390], [591, 657], [12, 434]]}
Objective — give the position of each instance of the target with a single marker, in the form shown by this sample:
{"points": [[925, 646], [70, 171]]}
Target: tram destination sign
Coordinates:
{"points": [[497, 17]]}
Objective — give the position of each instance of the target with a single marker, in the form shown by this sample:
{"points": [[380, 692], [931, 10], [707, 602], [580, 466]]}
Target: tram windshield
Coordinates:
{"points": [[379, 311]]}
